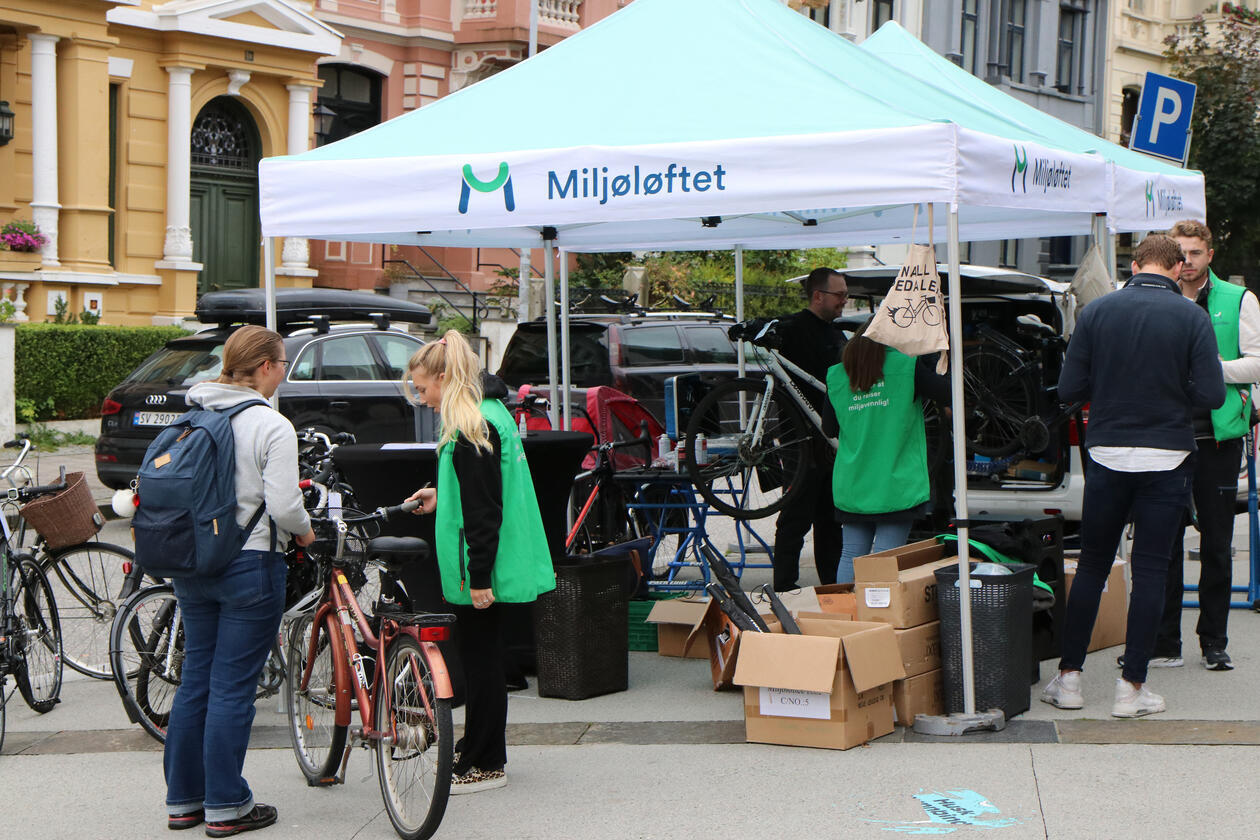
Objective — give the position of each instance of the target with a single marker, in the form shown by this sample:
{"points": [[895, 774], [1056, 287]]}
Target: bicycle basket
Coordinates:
{"points": [[66, 518]]}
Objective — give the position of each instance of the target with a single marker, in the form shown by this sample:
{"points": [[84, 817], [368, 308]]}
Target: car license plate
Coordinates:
{"points": [[154, 418]]}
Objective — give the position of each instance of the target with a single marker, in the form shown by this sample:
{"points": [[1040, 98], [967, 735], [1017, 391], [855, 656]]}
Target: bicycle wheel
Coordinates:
{"points": [[758, 451], [39, 668], [87, 582], [414, 764], [318, 742], [999, 398], [147, 656]]}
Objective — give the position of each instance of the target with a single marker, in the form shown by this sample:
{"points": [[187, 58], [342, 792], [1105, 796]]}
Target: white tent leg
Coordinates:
{"points": [[549, 308], [269, 294], [739, 304], [564, 340], [960, 460]]}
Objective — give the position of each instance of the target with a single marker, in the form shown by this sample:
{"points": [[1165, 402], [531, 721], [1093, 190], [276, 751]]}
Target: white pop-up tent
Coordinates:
{"points": [[695, 124]]}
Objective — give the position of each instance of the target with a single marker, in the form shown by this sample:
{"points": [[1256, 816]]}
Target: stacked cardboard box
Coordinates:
{"points": [[1113, 607], [898, 587]]}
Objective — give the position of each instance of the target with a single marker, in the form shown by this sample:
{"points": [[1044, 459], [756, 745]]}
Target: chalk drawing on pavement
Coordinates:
{"points": [[949, 811]]}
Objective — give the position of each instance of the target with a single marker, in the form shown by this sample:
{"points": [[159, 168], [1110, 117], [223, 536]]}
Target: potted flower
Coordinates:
{"points": [[21, 235]]}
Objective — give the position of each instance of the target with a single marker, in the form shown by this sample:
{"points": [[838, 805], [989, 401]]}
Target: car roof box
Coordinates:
{"points": [[298, 306]]}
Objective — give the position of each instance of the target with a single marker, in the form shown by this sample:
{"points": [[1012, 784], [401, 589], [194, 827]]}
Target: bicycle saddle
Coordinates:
{"points": [[759, 331], [398, 548]]}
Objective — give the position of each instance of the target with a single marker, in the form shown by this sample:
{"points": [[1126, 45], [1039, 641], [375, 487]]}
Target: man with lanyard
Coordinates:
{"points": [[812, 341], [1145, 358], [1235, 315]]}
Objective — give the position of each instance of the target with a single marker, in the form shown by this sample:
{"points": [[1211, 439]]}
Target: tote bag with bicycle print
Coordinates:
{"points": [[911, 317]]}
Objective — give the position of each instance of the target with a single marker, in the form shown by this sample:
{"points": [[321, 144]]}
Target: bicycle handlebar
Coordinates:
{"points": [[25, 494]]}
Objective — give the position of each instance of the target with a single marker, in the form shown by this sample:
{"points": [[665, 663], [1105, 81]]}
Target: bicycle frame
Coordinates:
{"points": [[780, 367], [337, 615]]}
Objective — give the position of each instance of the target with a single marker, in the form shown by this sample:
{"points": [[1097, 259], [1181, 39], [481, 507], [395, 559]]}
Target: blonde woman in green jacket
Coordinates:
{"points": [[491, 547]]}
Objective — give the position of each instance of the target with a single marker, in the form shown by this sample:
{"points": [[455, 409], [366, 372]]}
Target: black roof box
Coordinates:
{"points": [[296, 306]]}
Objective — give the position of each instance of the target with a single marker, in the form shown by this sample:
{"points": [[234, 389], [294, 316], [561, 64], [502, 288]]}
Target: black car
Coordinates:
{"points": [[343, 376], [633, 353]]}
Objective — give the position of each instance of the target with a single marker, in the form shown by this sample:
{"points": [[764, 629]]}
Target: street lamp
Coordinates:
{"points": [[6, 123], [324, 117]]}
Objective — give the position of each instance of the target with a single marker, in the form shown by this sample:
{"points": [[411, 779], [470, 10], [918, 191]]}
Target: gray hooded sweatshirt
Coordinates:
{"points": [[266, 463]]}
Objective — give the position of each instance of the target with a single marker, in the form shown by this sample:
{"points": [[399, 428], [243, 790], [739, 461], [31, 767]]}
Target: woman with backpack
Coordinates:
{"points": [[880, 481], [491, 547], [230, 620]]}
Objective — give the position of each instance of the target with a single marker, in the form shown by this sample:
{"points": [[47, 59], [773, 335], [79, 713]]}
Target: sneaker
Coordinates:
{"points": [[478, 780], [192, 819], [261, 817], [1064, 691], [1134, 702], [1217, 660], [1156, 662]]}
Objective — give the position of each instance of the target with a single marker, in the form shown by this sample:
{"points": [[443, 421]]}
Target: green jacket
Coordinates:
{"points": [[1224, 303], [881, 463], [522, 566]]}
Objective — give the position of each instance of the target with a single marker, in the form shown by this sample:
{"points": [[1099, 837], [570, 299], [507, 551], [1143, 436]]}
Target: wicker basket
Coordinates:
{"points": [[581, 629], [67, 518]]}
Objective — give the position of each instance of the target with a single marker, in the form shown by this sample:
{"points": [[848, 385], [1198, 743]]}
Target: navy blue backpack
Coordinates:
{"points": [[185, 524]]}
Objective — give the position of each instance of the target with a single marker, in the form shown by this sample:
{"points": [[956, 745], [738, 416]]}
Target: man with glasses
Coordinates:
{"points": [[812, 340]]}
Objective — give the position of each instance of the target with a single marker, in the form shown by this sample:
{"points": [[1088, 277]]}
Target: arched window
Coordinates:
{"points": [[353, 95]]}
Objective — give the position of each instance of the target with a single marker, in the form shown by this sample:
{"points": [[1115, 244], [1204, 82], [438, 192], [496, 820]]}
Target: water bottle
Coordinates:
{"points": [[523, 426], [702, 449]]}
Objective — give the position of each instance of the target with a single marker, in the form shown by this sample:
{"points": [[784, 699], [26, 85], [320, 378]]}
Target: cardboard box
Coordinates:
{"points": [[920, 648], [674, 620], [898, 586], [923, 694], [829, 687], [1113, 607], [837, 598], [721, 643]]}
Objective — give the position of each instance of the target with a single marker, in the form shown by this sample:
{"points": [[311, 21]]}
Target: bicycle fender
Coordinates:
{"points": [[342, 676], [437, 667]]}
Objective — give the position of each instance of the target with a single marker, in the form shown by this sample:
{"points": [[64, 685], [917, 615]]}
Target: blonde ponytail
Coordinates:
{"points": [[461, 390]]}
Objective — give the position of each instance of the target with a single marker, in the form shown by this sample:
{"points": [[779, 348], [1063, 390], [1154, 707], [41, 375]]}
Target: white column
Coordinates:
{"points": [[45, 207], [295, 253], [178, 248]]}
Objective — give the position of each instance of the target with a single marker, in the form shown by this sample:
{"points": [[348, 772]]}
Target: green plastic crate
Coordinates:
{"points": [[642, 634]]}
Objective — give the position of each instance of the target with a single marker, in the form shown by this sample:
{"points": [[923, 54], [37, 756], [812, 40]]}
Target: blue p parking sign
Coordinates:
{"points": [[1162, 126]]}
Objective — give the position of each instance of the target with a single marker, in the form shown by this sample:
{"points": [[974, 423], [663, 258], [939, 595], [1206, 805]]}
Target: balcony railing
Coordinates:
{"points": [[480, 8], [560, 14]]}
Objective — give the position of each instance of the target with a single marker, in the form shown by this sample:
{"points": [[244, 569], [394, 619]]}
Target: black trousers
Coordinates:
{"points": [[1215, 488], [814, 508], [484, 745]]}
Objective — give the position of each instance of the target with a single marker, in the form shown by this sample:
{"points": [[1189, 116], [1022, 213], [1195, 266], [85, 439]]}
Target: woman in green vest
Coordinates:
{"points": [[491, 548], [880, 480]]}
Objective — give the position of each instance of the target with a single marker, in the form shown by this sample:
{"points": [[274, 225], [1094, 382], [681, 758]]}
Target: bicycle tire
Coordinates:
{"points": [[999, 399], [752, 481], [4, 704], [318, 742], [414, 767], [146, 656], [88, 584], [39, 670]]}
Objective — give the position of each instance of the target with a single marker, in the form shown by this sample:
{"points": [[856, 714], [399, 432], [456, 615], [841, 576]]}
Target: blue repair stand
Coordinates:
{"points": [[1252, 589], [660, 496]]}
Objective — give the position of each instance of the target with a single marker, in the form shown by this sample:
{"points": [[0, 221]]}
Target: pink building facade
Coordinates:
{"points": [[399, 55]]}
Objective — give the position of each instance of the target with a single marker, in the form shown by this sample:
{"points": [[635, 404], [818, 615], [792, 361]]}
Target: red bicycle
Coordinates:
{"points": [[387, 666]]}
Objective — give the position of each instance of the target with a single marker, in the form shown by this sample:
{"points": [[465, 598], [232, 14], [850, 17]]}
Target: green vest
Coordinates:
{"points": [[522, 567], [881, 463], [1224, 302]]}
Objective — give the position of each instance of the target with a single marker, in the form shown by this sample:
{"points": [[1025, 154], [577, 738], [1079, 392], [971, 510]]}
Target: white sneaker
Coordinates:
{"points": [[1064, 691], [1134, 702]]}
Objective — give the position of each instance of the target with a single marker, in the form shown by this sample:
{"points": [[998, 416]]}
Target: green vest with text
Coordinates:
{"points": [[881, 462], [522, 567], [1224, 302]]}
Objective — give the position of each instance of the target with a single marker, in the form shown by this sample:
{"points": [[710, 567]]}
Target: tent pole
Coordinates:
{"points": [[564, 340], [549, 308], [739, 303], [269, 295], [960, 461]]}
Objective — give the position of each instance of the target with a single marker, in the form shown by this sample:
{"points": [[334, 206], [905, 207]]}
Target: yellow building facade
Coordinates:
{"points": [[138, 126]]}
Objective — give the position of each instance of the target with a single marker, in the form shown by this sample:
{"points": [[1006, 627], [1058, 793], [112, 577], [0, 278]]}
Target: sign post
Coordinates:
{"points": [[1162, 124]]}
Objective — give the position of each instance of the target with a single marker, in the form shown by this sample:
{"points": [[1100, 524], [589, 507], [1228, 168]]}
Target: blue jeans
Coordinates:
{"points": [[861, 538], [230, 623], [1155, 502]]}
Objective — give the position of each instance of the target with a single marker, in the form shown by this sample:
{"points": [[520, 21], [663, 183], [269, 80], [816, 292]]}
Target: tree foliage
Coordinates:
{"points": [[1223, 60]]}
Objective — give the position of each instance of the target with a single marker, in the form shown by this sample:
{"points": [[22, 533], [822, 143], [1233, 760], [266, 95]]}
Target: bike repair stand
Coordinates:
{"points": [[1252, 589]]}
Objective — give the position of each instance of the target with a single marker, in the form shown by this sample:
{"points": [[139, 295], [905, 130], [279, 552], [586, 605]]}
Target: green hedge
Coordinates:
{"points": [[66, 370]]}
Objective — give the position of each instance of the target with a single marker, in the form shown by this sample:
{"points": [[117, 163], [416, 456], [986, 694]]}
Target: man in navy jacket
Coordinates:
{"points": [[1145, 357]]}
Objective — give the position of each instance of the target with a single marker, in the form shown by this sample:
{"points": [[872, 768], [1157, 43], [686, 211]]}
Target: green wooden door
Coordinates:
{"points": [[224, 197]]}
